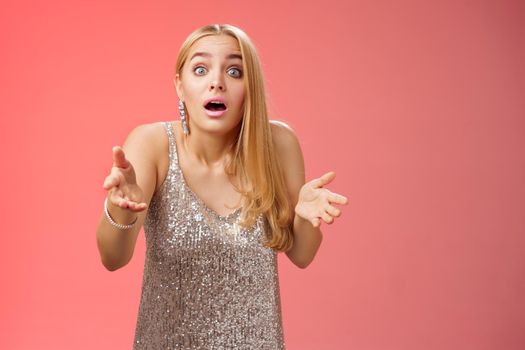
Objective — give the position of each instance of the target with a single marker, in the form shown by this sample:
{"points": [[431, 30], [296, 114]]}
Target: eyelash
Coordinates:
{"points": [[239, 70]]}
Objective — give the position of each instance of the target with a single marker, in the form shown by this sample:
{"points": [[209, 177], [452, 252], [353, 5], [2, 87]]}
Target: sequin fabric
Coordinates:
{"points": [[208, 283]]}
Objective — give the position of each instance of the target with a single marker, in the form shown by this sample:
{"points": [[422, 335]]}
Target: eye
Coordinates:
{"points": [[235, 72], [200, 70]]}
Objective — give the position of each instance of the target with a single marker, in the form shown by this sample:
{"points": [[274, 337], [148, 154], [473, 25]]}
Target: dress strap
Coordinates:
{"points": [[172, 143]]}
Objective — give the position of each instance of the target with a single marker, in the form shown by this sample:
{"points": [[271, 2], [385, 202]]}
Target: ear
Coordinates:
{"points": [[178, 86]]}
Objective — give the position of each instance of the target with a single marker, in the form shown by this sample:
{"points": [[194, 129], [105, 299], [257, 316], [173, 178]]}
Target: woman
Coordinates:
{"points": [[219, 192]]}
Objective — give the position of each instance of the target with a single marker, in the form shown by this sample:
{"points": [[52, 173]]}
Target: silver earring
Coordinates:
{"points": [[182, 113]]}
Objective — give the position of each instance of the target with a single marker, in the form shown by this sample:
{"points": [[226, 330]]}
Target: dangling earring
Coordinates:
{"points": [[182, 113]]}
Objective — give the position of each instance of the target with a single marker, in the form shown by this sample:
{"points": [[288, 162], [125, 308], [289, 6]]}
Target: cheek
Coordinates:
{"points": [[240, 96], [192, 91], [192, 85]]}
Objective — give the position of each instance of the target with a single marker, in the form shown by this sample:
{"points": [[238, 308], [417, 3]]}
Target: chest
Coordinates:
{"points": [[214, 188]]}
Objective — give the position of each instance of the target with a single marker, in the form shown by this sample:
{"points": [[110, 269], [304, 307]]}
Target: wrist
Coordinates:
{"points": [[119, 217], [302, 223], [298, 219]]}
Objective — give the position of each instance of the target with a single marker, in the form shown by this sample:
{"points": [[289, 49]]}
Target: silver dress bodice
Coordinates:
{"points": [[208, 283]]}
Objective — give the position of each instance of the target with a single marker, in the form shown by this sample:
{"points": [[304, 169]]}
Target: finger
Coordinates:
{"points": [[133, 206], [124, 201], [337, 198], [333, 211], [131, 199], [115, 177], [110, 181], [119, 158], [327, 218], [316, 222], [115, 198], [137, 207], [323, 180]]}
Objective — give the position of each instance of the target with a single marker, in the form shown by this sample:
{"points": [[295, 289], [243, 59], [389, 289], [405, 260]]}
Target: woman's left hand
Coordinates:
{"points": [[315, 202]]}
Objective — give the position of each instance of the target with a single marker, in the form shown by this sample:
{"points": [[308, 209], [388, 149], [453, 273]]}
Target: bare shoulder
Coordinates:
{"points": [[285, 141], [280, 127], [283, 136], [147, 133], [290, 155], [146, 147], [149, 139]]}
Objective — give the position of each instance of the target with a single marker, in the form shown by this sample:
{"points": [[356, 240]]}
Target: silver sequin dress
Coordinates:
{"points": [[208, 283]]}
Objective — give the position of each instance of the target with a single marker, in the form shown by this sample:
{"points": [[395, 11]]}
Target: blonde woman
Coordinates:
{"points": [[219, 193]]}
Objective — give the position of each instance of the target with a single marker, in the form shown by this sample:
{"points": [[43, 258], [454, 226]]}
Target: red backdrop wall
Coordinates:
{"points": [[418, 106]]}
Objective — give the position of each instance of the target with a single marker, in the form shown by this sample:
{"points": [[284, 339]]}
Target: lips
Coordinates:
{"points": [[215, 104]]}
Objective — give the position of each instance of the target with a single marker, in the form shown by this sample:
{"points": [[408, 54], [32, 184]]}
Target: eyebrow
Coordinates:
{"points": [[206, 54]]}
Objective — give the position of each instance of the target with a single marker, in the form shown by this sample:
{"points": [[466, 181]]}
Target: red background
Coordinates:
{"points": [[418, 106]]}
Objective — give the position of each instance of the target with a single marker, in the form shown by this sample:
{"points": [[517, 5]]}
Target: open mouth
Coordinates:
{"points": [[215, 106]]}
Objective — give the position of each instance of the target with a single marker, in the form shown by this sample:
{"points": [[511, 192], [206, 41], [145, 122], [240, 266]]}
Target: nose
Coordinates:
{"points": [[217, 84]]}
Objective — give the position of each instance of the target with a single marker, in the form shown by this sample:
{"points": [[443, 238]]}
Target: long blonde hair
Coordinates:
{"points": [[253, 157]]}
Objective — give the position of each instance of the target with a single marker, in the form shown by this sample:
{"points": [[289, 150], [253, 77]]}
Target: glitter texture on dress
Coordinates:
{"points": [[208, 283]]}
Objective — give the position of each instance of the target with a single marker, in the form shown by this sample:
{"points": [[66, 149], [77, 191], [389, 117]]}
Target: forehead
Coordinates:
{"points": [[215, 45]]}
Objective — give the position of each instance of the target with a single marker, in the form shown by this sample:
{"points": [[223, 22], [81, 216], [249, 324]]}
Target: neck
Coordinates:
{"points": [[210, 149]]}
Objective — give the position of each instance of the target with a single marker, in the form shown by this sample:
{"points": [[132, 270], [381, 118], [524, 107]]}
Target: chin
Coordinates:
{"points": [[217, 125]]}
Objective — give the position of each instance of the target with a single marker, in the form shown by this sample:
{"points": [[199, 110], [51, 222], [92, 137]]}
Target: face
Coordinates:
{"points": [[213, 70]]}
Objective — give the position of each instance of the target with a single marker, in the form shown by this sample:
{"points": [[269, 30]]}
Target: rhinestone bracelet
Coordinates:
{"points": [[120, 226]]}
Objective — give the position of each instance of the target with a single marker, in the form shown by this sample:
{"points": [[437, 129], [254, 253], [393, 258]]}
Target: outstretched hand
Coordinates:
{"points": [[315, 202], [121, 184]]}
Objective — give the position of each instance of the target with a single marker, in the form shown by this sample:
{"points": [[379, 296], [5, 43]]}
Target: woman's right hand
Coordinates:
{"points": [[121, 184]]}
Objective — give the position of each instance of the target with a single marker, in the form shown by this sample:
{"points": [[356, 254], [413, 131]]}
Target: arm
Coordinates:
{"points": [[310, 201], [115, 245], [307, 238]]}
